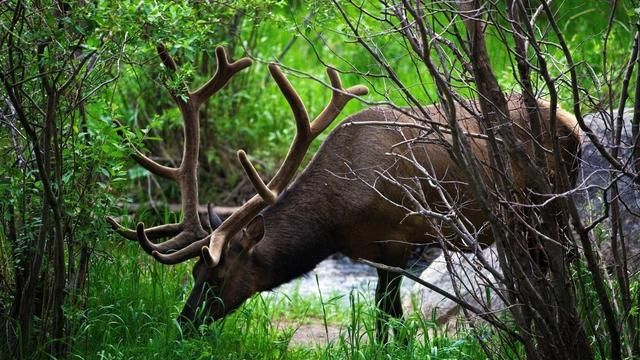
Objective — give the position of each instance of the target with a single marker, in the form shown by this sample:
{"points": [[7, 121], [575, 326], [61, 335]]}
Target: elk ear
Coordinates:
{"points": [[254, 231], [214, 218]]}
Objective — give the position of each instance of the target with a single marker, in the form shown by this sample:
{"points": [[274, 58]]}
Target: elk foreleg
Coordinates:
{"points": [[388, 301]]}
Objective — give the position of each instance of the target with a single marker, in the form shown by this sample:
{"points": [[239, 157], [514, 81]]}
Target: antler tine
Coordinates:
{"points": [[153, 233], [339, 99], [144, 161], [178, 242], [302, 139], [184, 254], [166, 58], [224, 73], [261, 188], [153, 167], [305, 133], [181, 237], [295, 102], [142, 235]]}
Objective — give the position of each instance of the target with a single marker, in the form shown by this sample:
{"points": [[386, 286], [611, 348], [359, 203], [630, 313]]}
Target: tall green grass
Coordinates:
{"points": [[133, 303]]}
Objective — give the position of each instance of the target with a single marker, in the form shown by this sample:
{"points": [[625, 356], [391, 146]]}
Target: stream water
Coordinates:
{"points": [[334, 276], [339, 275]]}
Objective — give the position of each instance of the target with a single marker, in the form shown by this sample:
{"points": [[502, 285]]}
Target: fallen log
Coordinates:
{"points": [[132, 208]]}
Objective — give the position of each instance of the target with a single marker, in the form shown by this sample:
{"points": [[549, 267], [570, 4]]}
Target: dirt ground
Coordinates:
{"points": [[309, 334]]}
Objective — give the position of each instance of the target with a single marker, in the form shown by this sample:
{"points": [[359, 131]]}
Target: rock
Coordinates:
{"points": [[475, 288], [595, 177]]}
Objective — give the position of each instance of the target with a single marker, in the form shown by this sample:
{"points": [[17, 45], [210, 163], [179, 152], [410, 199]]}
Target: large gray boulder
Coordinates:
{"points": [[474, 283], [595, 181]]}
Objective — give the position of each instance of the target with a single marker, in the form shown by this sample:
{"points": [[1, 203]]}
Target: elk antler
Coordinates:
{"points": [[189, 230], [305, 133]]}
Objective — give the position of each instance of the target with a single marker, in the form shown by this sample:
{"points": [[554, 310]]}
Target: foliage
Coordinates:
{"points": [[60, 167]]}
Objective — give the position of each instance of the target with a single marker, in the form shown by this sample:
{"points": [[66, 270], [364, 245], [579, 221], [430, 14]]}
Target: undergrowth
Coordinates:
{"points": [[134, 302]]}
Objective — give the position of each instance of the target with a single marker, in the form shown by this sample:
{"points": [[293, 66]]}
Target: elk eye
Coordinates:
{"points": [[236, 248]]}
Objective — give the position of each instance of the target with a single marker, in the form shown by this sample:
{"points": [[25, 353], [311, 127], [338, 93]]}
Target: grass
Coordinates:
{"points": [[133, 304]]}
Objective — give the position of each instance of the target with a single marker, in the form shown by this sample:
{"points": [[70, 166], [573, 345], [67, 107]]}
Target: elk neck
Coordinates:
{"points": [[297, 236]]}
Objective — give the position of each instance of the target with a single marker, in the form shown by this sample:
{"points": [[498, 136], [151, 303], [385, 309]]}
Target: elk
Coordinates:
{"points": [[337, 204]]}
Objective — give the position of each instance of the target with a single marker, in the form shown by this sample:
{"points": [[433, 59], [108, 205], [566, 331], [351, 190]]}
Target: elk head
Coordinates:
{"points": [[222, 275]]}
